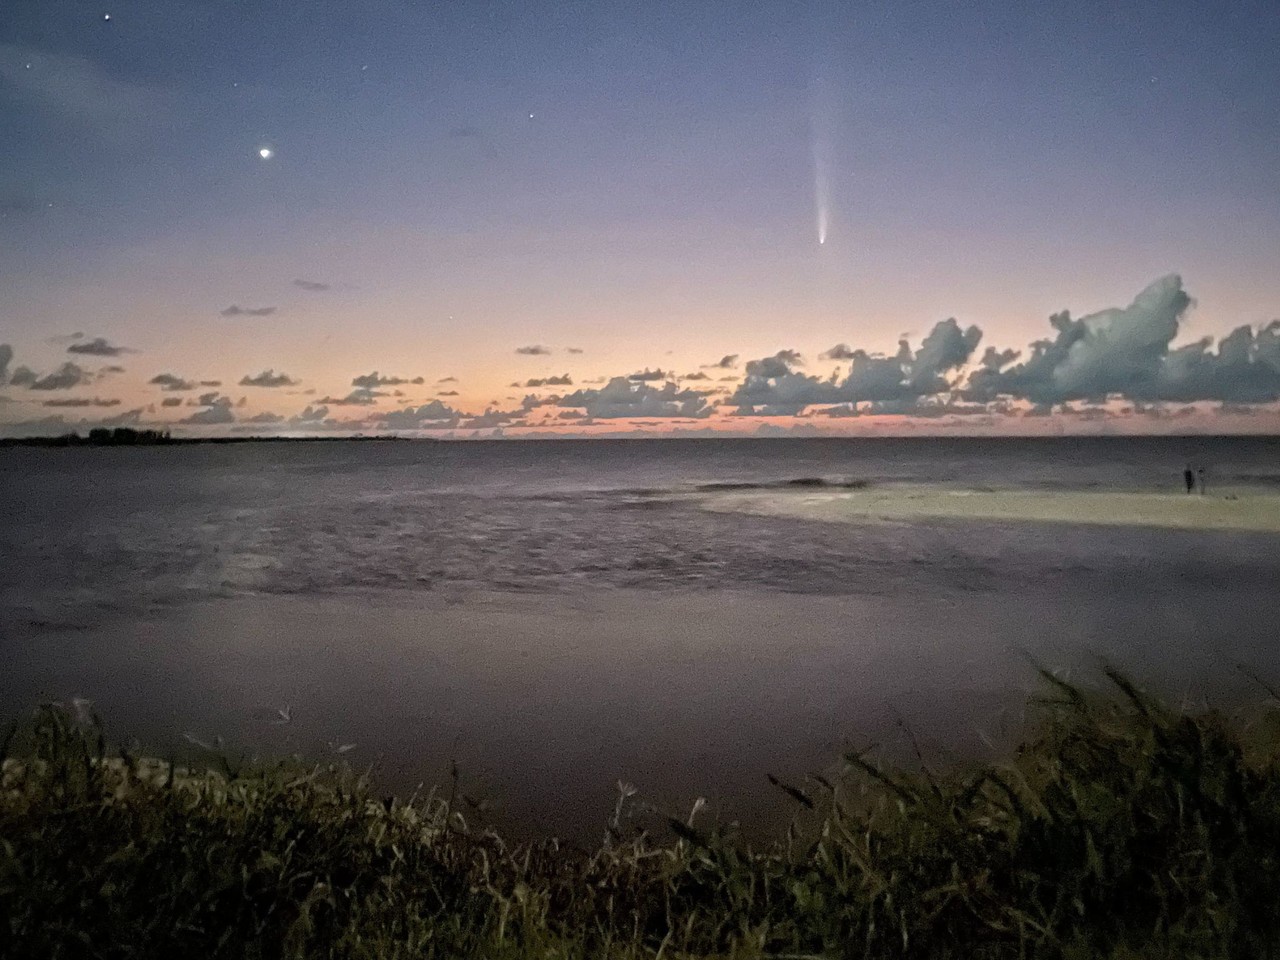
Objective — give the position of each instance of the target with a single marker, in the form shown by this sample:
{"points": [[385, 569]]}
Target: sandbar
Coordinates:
{"points": [[1235, 510]]}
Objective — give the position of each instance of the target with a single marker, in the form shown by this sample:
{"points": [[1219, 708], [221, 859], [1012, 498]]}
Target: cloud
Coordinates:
{"points": [[265, 418], [313, 285], [76, 88], [80, 402], [171, 402], [447, 393], [97, 347], [217, 410], [909, 407], [109, 370], [841, 351], [429, 415], [370, 380], [310, 415], [648, 376], [772, 388], [574, 350], [1126, 352], [564, 380], [171, 382], [728, 362], [64, 378], [621, 397], [268, 378], [210, 383], [6, 358], [235, 311], [447, 380], [778, 365], [698, 375], [493, 418], [534, 351], [362, 397]]}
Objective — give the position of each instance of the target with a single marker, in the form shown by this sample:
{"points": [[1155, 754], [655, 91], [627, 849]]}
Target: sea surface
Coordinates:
{"points": [[558, 616]]}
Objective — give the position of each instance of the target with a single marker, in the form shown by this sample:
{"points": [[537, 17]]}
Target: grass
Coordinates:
{"points": [[1120, 828]]}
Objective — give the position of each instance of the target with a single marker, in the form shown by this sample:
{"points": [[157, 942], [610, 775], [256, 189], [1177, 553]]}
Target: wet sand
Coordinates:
{"points": [[1226, 510], [547, 701]]}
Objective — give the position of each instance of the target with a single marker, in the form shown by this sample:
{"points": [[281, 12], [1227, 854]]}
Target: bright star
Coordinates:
{"points": [[265, 153]]}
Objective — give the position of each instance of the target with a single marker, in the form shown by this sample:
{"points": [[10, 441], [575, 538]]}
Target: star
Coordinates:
{"points": [[106, 16], [266, 153]]}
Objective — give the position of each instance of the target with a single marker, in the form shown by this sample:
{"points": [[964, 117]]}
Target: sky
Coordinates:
{"points": [[598, 218]]}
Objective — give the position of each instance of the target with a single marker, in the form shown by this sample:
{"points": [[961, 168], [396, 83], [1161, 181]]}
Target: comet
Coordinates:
{"points": [[821, 141], [821, 198]]}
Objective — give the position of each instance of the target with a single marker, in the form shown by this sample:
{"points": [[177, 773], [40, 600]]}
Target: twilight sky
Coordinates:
{"points": [[585, 216]]}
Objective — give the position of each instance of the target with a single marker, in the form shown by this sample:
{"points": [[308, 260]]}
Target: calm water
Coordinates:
{"points": [[559, 615]]}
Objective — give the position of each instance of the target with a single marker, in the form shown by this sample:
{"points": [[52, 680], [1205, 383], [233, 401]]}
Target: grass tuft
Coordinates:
{"points": [[1119, 828]]}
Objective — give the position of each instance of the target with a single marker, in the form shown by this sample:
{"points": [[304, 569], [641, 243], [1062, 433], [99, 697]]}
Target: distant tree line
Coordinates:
{"points": [[129, 437], [98, 437]]}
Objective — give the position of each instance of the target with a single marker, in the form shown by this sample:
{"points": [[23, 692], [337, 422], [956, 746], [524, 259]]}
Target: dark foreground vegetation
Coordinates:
{"points": [[1119, 829]]}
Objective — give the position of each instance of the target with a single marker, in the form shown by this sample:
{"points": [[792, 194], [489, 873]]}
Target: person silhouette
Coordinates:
{"points": [[1189, 478]]}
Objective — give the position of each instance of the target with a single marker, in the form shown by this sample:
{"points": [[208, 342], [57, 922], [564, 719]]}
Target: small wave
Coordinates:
{"points": [[806, 482]]}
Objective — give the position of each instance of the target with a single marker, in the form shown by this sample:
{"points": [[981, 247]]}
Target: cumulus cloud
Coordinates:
{"points": [[371, 380], [447, 393], [81, 402], [237, 311], [621, 397], [429, 415], [564, 380], [265, 418], [537, 350], [171, 382], [64, 378], [649, 376], [841, 351], [697, 375], [171, 402], [268, 378], [313, 285], [772, 388], [97, 347], [311, 415], [728, 362], [216, 410], [1126, 352], [492, 418]]}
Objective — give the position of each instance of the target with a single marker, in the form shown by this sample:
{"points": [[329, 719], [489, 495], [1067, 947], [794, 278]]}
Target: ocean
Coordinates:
{"points": [[559, 616]]}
